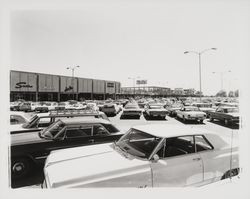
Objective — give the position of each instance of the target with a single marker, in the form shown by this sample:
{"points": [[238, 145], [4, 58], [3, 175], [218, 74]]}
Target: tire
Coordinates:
{"points": [[230, 173], [21, 167], [184, 119], [210, 118], [201, 121]]}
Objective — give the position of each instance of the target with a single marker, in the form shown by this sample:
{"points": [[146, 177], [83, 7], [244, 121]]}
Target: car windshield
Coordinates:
{"points": [[30, 121], [138, 143], [131, 107], [231, 110], [203, 105], [155, 106], [51, 131], [192, 109]]}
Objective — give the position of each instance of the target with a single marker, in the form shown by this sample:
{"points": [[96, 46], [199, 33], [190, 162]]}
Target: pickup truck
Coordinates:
{"points": [[226, 114]]}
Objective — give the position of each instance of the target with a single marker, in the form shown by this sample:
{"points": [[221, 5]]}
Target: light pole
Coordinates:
{"points": [[133, 78], [221, 76], [72, 79], [199, 54]]}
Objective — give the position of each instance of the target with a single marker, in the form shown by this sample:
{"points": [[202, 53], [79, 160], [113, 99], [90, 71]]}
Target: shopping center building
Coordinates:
{"points": [[46, 87]]}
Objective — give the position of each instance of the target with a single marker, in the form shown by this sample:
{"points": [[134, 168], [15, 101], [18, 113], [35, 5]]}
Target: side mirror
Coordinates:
{"points": [[155, 158]]}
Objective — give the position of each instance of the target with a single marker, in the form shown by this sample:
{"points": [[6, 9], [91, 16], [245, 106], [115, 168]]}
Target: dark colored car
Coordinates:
{"points": [[155, 111], [38, 122], [31, 149], [131, 110], [228, 115]]}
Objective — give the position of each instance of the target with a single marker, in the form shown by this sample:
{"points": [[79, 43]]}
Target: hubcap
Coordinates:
{"points": [[18, 167]]}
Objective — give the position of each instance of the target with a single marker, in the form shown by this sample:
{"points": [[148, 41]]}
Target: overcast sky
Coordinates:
{"points": [[122, 39]]}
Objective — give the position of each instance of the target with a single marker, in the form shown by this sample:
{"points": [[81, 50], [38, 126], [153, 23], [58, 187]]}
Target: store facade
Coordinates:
{"points": [[46, 87]]}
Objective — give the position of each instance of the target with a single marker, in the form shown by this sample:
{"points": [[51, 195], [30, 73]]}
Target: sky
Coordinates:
{"points": [[120, 40]]}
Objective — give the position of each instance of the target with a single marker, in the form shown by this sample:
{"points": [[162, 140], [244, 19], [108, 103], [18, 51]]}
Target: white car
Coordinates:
{"points": [[155, 155], [191, 113], [17, 117]]}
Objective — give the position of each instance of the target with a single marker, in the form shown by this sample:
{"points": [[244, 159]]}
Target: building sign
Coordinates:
{"points": [[68, 85], [110, 85], [138, 82], [23, 85], [69, 88], [23, 82]]}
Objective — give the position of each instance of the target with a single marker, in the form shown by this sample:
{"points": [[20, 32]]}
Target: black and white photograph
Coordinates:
{"points": [[124, 96]]}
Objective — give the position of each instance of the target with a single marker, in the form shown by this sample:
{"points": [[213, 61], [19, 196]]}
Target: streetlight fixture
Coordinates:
{"points": [[199, 54], [221, 76], [133, 78], [72, 79]]}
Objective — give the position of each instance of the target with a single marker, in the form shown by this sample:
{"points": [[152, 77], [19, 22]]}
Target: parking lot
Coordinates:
{"points": [[35, 180]]}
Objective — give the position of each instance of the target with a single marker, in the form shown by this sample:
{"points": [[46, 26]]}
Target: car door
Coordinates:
{"points": [[101, 134], [178, 165], [77, 135]]}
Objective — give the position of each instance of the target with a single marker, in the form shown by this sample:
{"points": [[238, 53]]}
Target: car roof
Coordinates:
{"points": [[83, 120], [170, 130]]}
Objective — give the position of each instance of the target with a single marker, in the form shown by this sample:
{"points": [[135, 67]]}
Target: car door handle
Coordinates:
{"points": [[196, 159]]}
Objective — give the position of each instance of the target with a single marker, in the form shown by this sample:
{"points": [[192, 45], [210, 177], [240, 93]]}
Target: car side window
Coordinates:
{"points": [[177, 146], [44, 122], [99, 130], [78, 131], [202, 144]]}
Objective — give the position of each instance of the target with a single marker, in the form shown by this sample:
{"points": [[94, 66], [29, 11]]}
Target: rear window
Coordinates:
{"points": [[111, 128]]}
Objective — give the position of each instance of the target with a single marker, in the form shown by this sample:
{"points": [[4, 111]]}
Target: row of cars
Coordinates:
{"points": [[95, 153]]}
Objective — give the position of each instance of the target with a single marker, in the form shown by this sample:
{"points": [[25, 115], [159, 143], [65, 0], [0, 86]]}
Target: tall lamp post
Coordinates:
{"points": [[72, 79], [199, 54], [221, 76], [133, 78]]}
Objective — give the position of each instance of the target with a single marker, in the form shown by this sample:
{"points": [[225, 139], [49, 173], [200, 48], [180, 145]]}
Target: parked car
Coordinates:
{"points": [[25, 106], [171, 110], [110, 109], [17, 117], [191, 113], [31, 149], [154, 155], [43, 120], [204, 107], [131, 110], [227, 114], [46, 106], [155, 111]]}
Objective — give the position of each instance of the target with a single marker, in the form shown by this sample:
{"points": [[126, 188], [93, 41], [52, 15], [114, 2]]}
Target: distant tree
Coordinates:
{"points": [[236, 93], [221, 93], [231, 94]]}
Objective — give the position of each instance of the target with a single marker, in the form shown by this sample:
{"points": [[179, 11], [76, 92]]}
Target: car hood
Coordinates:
{"points": [[26, 138], [85, 165], [17, 127]]}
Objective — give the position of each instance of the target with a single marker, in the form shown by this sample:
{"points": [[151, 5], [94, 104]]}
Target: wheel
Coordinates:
{"points": [[230, 173], [20, 167], [184, 119], [210, 118]]}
